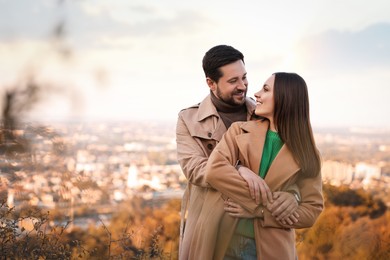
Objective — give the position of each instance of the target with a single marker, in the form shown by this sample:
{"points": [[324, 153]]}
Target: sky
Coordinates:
{"points": [[141, 59]]}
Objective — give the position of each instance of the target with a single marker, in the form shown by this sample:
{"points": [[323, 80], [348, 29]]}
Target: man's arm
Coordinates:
{"points": [[191, 155], [223, 176]]}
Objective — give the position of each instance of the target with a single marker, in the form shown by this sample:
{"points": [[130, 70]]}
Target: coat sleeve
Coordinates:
{"points": [[311, 206], [222, 176], [192, 158], [221, 173]]}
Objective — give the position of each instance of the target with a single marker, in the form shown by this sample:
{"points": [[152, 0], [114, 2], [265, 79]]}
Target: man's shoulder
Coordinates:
{"points": [[251, 100], [189, 114], [190, 108], [201, 110]]}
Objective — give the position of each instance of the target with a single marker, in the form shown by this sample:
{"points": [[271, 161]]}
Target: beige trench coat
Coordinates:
{"points": [[198, 131], [244, 141]]}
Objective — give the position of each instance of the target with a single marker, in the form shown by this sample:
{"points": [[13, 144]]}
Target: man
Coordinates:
{"points": [[200, 127]]}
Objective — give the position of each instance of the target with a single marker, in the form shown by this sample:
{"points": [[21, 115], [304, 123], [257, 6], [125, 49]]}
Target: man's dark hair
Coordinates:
{"points": [[217, 57]]}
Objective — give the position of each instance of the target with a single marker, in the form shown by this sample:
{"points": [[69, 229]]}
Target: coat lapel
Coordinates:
{"points": [[219, 131], [251, 145], [208, 125], [281, 169]]}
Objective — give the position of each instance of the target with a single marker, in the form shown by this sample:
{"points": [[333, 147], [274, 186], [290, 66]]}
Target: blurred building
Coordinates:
{"points": [[337, 173], [132, 177]]}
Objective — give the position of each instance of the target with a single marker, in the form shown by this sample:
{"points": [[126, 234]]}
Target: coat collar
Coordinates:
{"points": [[251, 145], [206, 109]]}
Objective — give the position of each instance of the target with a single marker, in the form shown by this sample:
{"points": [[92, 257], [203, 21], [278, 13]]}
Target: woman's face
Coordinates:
{"points": [[265, 99]]}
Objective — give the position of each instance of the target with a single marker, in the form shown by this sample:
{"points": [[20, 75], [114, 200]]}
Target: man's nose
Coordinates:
{"points": [[242, 85]]}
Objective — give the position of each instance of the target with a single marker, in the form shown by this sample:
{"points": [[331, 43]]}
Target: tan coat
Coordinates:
{"points": [[198, 131], [244, 141]]}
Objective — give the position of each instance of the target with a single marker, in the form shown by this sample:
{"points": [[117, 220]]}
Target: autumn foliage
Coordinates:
{"points": [[137, 231], [353, 225]]}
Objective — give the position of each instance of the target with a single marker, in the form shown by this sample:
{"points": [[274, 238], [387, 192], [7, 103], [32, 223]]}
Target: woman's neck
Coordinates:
{"points": [[272, 125]]}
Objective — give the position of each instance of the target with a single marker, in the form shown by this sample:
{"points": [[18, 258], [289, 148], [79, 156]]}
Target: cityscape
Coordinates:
{"points": [[83, 170]]}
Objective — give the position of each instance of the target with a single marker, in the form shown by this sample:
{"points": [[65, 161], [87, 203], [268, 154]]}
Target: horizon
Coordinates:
{"points": [[354, 129]]}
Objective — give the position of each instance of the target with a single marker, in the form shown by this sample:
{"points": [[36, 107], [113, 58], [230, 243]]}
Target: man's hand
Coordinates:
{"points": [[257, 186], [235, 210], [284, 208]]}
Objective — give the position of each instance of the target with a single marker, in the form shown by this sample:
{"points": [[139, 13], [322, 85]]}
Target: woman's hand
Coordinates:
{"points": [[235, 210], [283, 208], [257, 186]]}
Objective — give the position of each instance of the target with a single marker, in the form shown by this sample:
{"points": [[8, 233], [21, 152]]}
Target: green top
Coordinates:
{"points": [[272, 146]]}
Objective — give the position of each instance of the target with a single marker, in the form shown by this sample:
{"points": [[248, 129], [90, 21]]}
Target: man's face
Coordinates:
{"points": [[233, 85]]}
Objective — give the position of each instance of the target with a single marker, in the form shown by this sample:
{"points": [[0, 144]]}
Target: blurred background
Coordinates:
{"points": [[126, 56], [89, 97]]}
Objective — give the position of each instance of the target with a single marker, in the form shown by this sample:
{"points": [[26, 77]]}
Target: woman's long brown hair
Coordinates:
{"points": [[292, 121]]}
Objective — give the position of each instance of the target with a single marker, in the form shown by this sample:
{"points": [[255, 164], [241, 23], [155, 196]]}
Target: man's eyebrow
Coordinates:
{"points": [[232, 78], [237, 76]]}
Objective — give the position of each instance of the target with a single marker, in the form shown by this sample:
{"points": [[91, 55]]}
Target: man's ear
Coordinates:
{"points": [[211, 83]]}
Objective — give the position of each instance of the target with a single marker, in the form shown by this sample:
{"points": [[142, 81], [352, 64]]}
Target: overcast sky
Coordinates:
{"points": [[141, 59]]}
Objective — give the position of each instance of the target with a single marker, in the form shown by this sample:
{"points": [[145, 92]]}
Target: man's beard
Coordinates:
{"points": [[230, 98]]}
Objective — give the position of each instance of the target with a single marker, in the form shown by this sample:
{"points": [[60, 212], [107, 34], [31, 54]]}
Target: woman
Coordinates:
{"points": [[281, 150]]}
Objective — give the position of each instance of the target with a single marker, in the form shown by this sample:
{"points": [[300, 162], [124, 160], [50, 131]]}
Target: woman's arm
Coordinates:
{"points": [[222, 175], [282, 205], [235, 210], [312, 204], [303, 217], [258, 188]]}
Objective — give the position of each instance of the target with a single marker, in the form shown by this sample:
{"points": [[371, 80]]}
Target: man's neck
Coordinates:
{"points": [[228, 113]]}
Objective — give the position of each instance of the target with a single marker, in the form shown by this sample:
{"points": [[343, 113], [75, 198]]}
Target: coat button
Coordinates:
{"points": [[210, 146], [209, 134]]}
